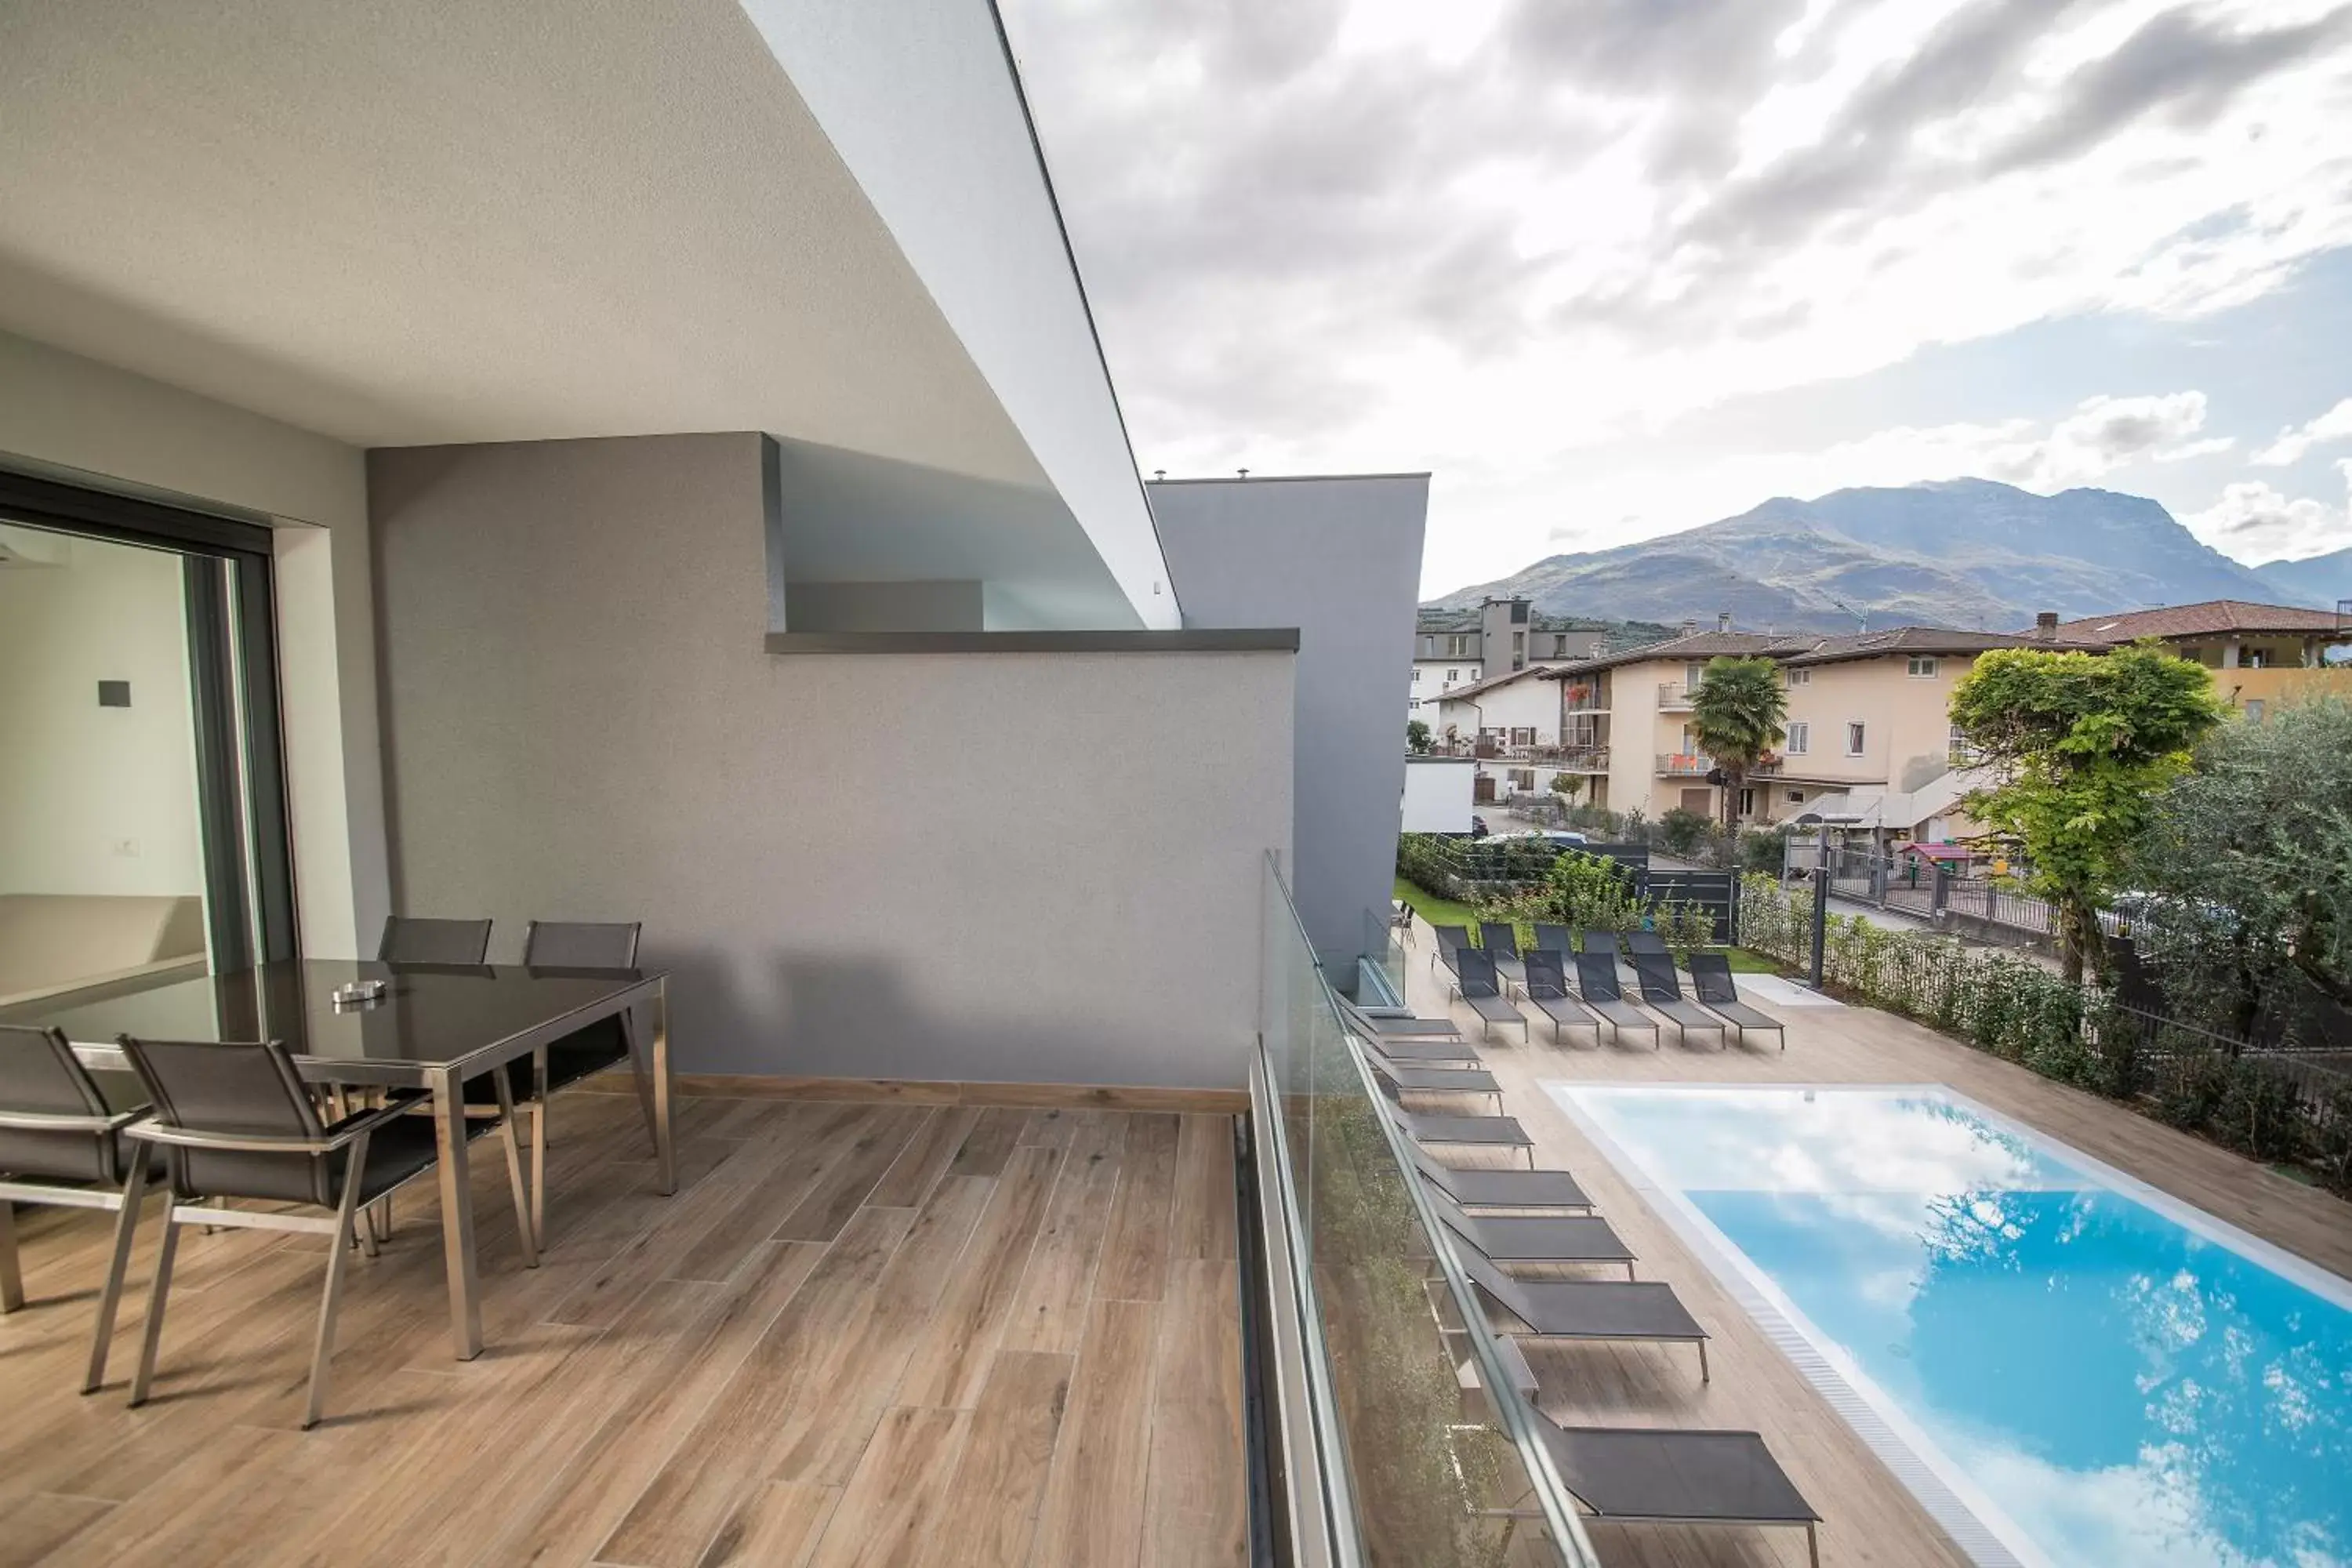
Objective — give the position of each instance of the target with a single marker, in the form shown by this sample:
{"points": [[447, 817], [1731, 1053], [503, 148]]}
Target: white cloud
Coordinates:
{"points": [[2253, 521], [2336, 424], [1503, 241], [2211, 447]]}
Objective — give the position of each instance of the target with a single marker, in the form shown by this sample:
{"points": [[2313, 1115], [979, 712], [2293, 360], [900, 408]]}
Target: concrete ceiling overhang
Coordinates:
{"points": [[444, 221]]}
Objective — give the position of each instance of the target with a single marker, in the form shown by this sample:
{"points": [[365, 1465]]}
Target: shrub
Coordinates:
{"points": [[2332, 1141], [1685, 928], [2189, 1083], [1681, 831], [2259, 1113], [1764, 850]]}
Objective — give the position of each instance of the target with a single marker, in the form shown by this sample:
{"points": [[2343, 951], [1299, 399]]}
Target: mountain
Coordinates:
{"points": [[2316, 579], [1955, 552]]}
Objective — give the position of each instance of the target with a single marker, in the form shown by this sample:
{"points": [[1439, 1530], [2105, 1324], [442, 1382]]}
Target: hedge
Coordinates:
{"points": [[2023, 1013]]}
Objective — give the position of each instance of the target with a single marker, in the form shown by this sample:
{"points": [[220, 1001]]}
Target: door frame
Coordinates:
{"points": [[230, 586]]}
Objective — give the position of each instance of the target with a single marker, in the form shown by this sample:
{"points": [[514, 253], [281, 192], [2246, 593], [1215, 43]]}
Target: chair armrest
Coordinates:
{"points": [[37, 1121], [344, 1134]]}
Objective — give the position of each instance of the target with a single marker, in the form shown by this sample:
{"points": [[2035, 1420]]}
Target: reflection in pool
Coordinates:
{"points": [[2119, 1387]]}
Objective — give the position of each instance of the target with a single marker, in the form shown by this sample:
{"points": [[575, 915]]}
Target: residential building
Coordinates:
{"points": [[1867, 713], [1624, 718], [1870, 731], [2260, 654], [1452, 649]]}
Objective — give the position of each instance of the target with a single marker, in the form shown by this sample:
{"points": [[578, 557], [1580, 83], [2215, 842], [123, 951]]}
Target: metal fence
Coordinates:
{"points": [[2315, 1073], [1970, 902]]}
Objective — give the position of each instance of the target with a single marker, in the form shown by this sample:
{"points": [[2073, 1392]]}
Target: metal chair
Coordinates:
{"points": [[62, 1123], [409, 940], [557, 945], [236, 1121]]}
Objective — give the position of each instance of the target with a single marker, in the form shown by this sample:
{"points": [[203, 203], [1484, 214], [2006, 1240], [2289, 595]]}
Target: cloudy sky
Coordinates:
{"points": [[1614, 267]]}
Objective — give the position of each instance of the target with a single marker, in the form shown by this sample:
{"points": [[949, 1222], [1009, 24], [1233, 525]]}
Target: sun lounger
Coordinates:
{"points": [[1499, 939], [1424, 1050], [1395, 1023], [1712, 984], [1477, 1190], [1570, 1311], [1476, 983], [1597, 987], [1551, 938], [1464, 1132], [1516, 1241], [1665, 1475], [1546, 988], [1436, 1080], [1638, 943], [1450, 940], [1599, 942], [1663, 993]]}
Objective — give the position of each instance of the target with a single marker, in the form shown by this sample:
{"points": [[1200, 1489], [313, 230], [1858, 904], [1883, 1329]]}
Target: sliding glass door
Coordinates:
{"points": [[143, 804]]}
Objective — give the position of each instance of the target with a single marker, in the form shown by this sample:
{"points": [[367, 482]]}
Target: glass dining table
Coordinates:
{"points": [[435, 1026]]}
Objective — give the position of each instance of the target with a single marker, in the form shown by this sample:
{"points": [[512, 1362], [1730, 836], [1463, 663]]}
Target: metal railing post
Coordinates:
{"points": [[1821, 910]]}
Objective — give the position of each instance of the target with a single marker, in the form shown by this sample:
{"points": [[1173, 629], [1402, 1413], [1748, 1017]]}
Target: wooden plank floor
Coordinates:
{"points": [[859, 1333], [1869, 1517]]}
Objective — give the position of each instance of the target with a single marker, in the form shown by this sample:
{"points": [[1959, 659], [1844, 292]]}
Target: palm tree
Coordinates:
{"points": [[1736, 717]]}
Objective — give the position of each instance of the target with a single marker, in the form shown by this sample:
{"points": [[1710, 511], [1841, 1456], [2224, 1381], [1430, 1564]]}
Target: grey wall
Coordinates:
{"points": [[1013, 866], [1340, 559], [882, 607]]}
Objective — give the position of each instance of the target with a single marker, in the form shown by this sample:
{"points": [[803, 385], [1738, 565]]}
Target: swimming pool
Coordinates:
{"points": [[2064, 1365]]}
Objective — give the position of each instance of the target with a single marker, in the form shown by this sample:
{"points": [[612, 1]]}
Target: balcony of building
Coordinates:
{"points": [[1574, 759], [1685, 764], [1673, 697], [1590, 696]]}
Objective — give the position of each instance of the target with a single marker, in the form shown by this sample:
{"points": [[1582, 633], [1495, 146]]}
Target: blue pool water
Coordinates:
{"points": [[2097, 1381]]}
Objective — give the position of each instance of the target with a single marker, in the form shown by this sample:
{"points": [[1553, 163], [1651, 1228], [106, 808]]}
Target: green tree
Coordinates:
{"points": [[2248, 863], [1567, 784], [1416, 737], [1736, 717], [2080, 743]]}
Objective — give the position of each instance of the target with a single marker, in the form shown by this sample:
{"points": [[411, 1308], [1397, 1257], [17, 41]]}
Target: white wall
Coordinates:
{"points": [[1432, 684], [1438, 792], [96, 800], [857, 864], [73, 418], [921, 103]]}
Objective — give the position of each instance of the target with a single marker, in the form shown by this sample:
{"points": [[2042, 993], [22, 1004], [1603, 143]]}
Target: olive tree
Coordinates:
{"points": [[2246, 863], [2079, 744]]}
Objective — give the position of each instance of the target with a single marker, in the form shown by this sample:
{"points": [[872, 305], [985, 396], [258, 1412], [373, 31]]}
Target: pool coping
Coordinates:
{"points": [[1983, 1532]]}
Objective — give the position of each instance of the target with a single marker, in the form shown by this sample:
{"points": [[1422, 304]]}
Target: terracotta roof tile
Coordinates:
{"points": [[2212, 617]]}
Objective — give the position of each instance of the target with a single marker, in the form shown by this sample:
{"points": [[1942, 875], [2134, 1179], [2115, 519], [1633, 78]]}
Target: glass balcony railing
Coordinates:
{"points": [[1396, 1451]]}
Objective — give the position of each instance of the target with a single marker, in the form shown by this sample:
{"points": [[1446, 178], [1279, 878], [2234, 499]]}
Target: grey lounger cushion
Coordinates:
{"points": [[1547, 987], [1596, 982], [1643, 1309], [1427, 1052], [1663, 993], [1436, 1080], [1667, 1476], [1583, 1239], [1504, 1189], [1398, 1025], [1479, 986], [1719, 993], [1495, 1131]]}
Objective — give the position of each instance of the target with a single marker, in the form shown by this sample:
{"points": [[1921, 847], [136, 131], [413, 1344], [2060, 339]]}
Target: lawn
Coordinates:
{"points": [[1440, 911], [1437, 912]]}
